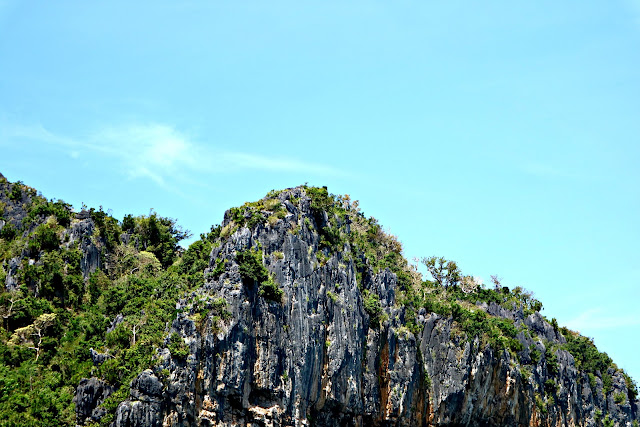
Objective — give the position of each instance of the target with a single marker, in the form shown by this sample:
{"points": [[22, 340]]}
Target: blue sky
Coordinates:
{"points": [[504, 136]]}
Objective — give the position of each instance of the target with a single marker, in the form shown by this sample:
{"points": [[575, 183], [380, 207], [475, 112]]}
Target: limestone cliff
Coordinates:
{"points": [[80, 233], [315, 333]]}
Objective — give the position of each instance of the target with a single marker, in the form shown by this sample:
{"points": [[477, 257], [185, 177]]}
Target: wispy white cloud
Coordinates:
{"points": [[599, 319], [161, 153], [153, 151]]}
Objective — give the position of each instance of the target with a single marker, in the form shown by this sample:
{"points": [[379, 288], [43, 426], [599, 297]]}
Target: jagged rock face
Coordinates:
{"points": [[82, 232], [90, 394], [13, 208], [315, 358], [145, 409]]}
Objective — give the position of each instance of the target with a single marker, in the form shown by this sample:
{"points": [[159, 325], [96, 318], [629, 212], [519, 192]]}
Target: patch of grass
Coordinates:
{"points": [[333, 296], [620, 398], [541, 404]]}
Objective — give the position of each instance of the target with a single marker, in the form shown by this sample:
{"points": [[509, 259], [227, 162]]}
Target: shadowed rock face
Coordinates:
{"points": [[315, 358], [81, 232], [90, 394]]}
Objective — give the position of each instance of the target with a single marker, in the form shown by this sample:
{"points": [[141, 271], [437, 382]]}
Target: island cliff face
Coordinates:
{"points": [[298, 310], [293, 326]]}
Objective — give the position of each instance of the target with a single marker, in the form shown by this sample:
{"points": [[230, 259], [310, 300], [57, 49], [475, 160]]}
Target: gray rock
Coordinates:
{"points": [[90, 394], [98, 358], [115, 322], [11, 281], [315, 358], [82, 233]]}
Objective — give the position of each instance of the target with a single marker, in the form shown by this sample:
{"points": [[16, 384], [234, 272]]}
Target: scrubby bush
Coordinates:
{"points": [[253, 271], [153, 233], [371, 303], [551, 359], [587, 356], [270, 290], [16, 192], [177, 347], [445, 273], [44, 238], [8, 232], [550, 387], [619, 398], [251, 267], [42, 208], [632, 388]]}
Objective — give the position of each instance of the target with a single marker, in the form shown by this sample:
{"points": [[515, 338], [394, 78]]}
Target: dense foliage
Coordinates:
{"points": [[54, 315]]}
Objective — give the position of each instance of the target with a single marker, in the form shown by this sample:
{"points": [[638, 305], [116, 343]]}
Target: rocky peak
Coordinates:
{"points": [[309, 315]]}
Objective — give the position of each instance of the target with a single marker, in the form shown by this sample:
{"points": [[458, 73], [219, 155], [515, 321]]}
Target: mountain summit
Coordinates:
{"points": [[296, 310]]}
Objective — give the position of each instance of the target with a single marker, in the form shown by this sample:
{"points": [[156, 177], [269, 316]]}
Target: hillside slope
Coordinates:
{"points": [[310, 316], [297, 310]]}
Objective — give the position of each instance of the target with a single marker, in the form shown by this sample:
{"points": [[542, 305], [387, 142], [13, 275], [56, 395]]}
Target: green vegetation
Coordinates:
{"points": [[177, 347], [269, 290], [54, 316], [451, 299], [16, 192], [108, 228], [251, 267], [253, 271], [445, 273], [550, 387], [541, 404], [42, 208], [632, 388], [597, 415], [592, 380], [268, 210], [620, 398], [551, 359], [153, 233], [535, 355], [588, 358], [371, 303], [196, 258], [332, 296]]}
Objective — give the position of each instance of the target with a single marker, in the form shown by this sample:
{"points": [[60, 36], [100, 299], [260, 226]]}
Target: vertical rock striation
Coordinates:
{"points": [[318, 356]]}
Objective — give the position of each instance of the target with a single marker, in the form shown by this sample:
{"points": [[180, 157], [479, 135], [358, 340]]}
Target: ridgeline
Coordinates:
{"points": [[296, 310]]}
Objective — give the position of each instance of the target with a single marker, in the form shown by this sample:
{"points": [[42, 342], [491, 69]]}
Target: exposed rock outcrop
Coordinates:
{"points": [[90, 394], [318, 357], [82, 233]]}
